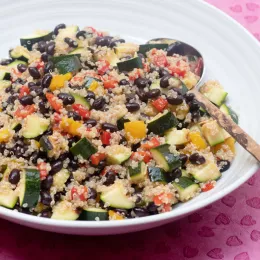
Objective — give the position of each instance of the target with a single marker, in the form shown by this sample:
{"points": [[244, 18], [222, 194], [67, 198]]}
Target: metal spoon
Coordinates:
{"points": [[224, 121]]}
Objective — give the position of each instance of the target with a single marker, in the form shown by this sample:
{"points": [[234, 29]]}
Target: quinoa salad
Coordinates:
{"points": [[93, 128]]}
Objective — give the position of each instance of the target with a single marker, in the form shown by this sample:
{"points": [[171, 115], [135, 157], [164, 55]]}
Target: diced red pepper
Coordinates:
{"points": [[54, 102], [161, 198], [95, 31], [145, 154], [103, 67], [166, 208], [110, 83], [24, 111], [81, 194], [57, 118], [160, 104], [136, 73], [81, 110], [176, 70], [24, 90], [40, 65], [42, 168], [207, 187], [105, 137], [160, 60], [97, 158], [154, 142]]}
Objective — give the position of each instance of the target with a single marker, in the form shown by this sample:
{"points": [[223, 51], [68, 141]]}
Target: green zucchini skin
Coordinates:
{"points": [[157, 174], [45, 143], [129, 65], [143, 48], [92, 214], [84, 148], [121, 121], [67, 63]]}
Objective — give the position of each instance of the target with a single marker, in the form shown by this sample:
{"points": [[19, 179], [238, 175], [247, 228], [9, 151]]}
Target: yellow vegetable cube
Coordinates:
{"points": [[135, 129], [114, 216], [58, 81], [5, 135], [196, 139], [74, 127], [228, 143]]}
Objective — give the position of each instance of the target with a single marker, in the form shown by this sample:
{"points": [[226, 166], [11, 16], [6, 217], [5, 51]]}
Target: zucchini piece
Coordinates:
{"points": [[59, 179], [213, 133], [186, 188], [78, 50], [164, 158], [117, 154], [29, 188], [177, 137], [8, 197], [93, 214], [84, 148], [5, 74], [5, 84], [138, 173], [67, 63], [29, 40], [121, 121], [64, 211], [16, 126], [157, 174], [20, 53], [69, 31], [46, 143], [162, 122], [81, 100], [15, 63], [206, 172], [34, 126], [229, 111], [215, 93], [130, 64], [143, 48], [126, 49], [116, 198]]}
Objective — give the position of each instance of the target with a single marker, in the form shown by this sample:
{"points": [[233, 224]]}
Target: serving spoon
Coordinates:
{"points": [[245, 140]]}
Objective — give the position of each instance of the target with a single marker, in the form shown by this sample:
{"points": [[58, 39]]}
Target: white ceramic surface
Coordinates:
{"points": [[229, 50]]}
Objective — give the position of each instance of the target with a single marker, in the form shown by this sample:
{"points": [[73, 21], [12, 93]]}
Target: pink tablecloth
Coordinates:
{"points": [[228, 229]]}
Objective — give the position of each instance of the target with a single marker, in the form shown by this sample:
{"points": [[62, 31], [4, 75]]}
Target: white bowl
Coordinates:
{"points": [[231, 54]]}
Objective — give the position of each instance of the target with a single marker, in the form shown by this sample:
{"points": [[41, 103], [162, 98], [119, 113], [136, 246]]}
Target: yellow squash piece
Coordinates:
{"points": [[5, 135], [135, 130], [58, 81], [114, 216], [196, 139], [70, 126], [229, 142]]}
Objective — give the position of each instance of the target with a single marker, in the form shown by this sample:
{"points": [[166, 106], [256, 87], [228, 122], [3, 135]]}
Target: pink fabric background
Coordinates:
{"points": [[228, 229]]}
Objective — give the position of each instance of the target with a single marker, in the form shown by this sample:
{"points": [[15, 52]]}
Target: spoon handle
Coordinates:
{"points": [[228, 124]]}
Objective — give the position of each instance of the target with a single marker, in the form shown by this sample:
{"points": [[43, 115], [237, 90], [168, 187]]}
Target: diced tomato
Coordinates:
{"points": [[199, 67], [81, 110], [24, 90], [97, 158], [162, 198], [54, 102], [42, 168], [160, 104], [166, 208], [57, 117], [105, 137], [40, 65], [160, 60], [207, 187], [154, 142], [103, 67], [176, 70], [82, 194], [110, 83], [16, 72], [145, 154], [24, 111], [133, 75], [95, 31]]}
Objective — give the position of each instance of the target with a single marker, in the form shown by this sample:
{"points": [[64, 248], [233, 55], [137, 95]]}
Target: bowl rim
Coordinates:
{"points": [[40, 222]]}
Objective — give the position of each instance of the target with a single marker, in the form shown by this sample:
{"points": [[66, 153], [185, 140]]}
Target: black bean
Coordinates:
{"points": [[46, 80], [90, 65], [175, 100], [122, 140], [152, 208], [141, 82], [108, 126], [164, 82], [73, 164], [46, 198], [46, 184], [91, 122], [195, 115], [194, 106], [26, 100], [50, 48], [56, 166], [92, 194], [11, 99], [58, 27], [176, 173], [5, 62], [122, 212], [102, 164], [130, 96], [57, 196], [115, 42], [142, 95], [14, 176], [103, 41], [196, 158], [163, 72], [223, 165], [153, 93], [110, 178], [74, 115], [184, 158], [37, 89], [41, 46], [73, 140], [90, 95], [34, 157], [139, 212], [45, 57], [49, 67], [132, 107], [46, 214], [135, 147], [31, 85], [66, 98], [9, 89], [70, 42], [189, 97], [34, 72], [81, 34], [99, 103], [43, 108], [123, 82], [22, 67]]}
